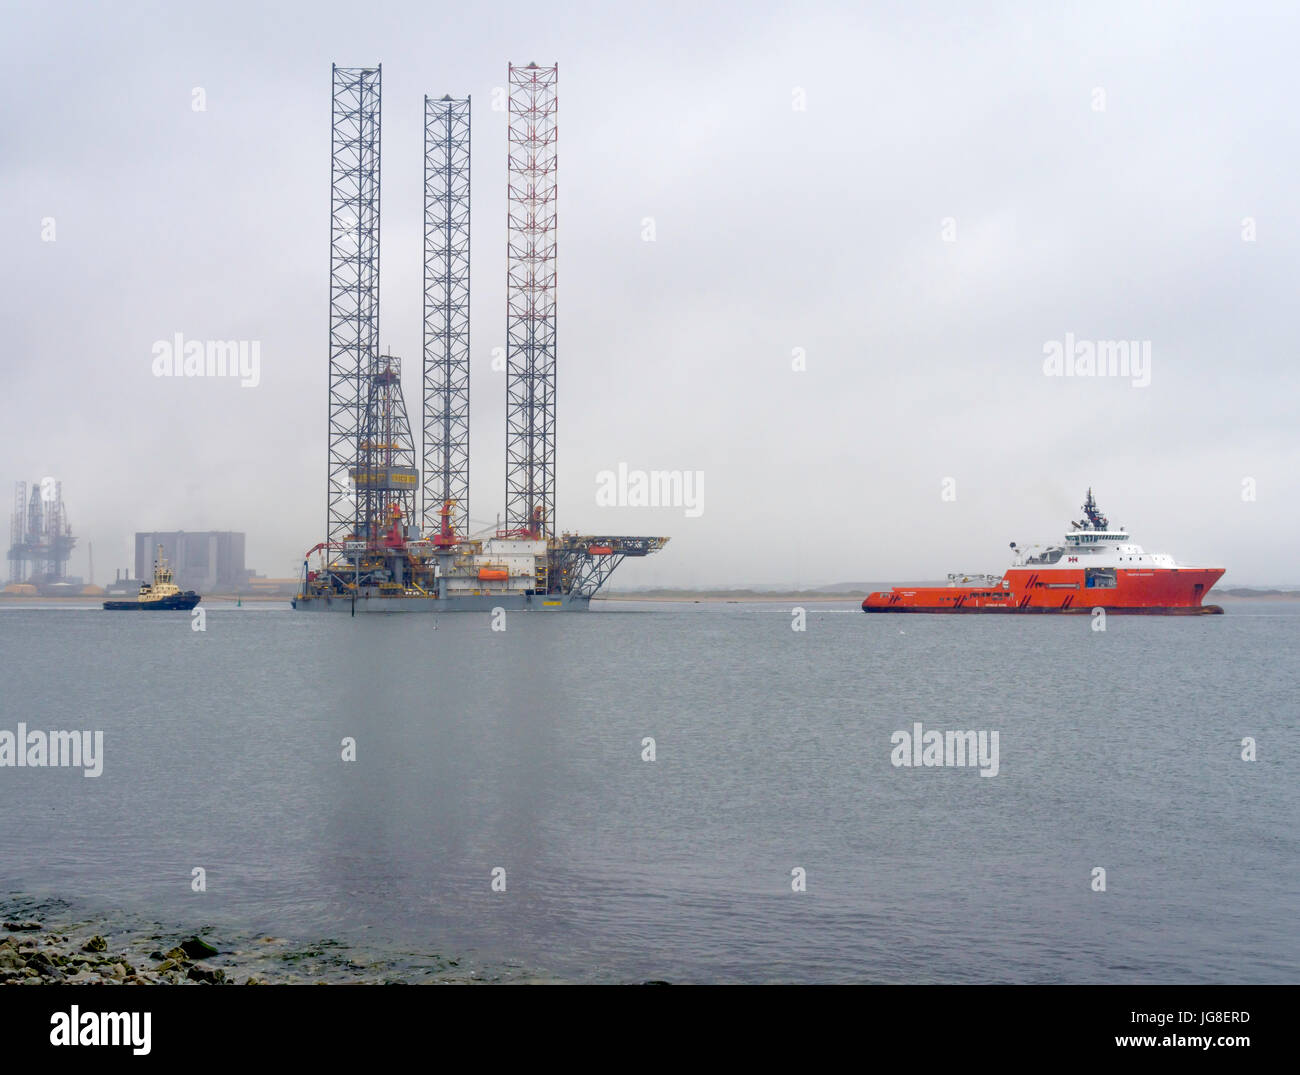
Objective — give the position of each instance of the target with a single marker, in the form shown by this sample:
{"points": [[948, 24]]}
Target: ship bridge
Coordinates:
{"points": [[1098, 542], [1094, 537]]}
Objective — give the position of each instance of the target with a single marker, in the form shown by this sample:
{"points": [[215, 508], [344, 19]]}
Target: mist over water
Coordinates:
{"points": [[523, 750]]}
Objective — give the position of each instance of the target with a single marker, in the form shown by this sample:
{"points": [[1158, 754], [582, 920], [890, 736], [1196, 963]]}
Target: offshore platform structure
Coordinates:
{"points": [[446, 314], [376, 558], [41, 539]]}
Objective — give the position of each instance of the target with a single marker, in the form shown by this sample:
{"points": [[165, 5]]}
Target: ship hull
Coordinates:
{"points": [[511, 602], [175, 603], [1152, 592], [1081, 610]]}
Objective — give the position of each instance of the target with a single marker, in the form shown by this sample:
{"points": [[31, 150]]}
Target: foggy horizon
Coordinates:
{"points": [[916, 205]]}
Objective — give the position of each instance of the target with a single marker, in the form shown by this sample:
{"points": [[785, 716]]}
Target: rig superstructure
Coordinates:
{"points": [[41, 538], [376, 557]]}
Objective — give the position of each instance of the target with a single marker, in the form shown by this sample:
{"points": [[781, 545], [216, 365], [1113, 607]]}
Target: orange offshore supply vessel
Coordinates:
{"points": [[1095, 567]]}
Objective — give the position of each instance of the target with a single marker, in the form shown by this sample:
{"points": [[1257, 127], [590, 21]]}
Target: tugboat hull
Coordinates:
{"points": [[181, 602]]}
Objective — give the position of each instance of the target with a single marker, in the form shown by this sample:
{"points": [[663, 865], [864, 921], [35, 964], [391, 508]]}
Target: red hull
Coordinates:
{"points": [[1154, 591]]}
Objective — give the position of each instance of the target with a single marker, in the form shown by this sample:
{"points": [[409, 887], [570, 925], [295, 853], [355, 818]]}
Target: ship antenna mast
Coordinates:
{"points": [[1096, 520]]}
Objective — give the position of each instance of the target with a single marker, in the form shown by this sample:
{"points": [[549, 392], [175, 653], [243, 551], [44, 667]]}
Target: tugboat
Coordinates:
{"points": [[163, 594], [1097, 566]]}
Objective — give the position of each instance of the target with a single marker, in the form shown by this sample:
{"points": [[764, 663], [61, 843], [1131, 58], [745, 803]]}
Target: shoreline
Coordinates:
{"points": [[38, 947]]}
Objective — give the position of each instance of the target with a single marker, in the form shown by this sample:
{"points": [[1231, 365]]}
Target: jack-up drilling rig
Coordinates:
{"points": [[41, 538], [375, 558]]}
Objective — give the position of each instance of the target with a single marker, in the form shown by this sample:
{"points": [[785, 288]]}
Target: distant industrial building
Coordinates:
{"points": [[207, 561]]}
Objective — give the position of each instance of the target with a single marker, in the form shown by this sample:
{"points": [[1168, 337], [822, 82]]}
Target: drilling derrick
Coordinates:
{"points": [[530, 302], [446, 316], [35, 534], [385, 477], [58, 534], [354, 286]]}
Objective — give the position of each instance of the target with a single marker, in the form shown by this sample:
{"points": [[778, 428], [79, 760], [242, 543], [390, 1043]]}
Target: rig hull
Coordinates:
{"points": [[511, 602], [519, 573]]}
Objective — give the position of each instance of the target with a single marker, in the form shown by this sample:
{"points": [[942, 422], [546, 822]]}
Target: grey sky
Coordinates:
{"points": [[775, 229]]}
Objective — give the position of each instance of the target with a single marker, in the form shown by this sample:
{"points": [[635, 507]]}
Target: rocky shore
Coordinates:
{"points": [[62, 950], [31, 956]]}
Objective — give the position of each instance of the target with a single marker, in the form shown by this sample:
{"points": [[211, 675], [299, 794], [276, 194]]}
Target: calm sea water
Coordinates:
{"points": [[523, 750]]}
